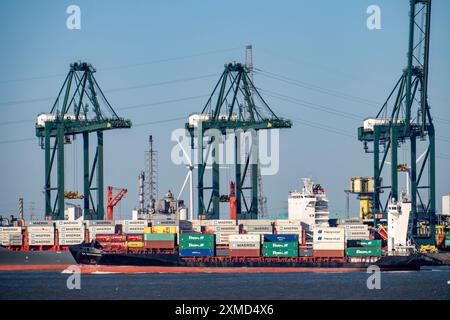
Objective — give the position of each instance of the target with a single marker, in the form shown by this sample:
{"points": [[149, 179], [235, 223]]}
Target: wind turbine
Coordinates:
{"points": [[408, 171], [189, 176]]}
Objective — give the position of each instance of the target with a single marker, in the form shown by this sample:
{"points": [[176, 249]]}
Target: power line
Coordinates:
{"points": [[118, 89], [128, 65]]}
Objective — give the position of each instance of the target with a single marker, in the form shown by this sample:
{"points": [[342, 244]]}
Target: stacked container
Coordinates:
{"points": [[289, 227], [222, 229], [100, 228], [159, 240], [70, 232], [41, 233], [133, 226], [280, 245], [329, 242], [356, 232], [244, 245], [363, 248], [11, 236], [260, 227], [114, 241], [197, 245]]}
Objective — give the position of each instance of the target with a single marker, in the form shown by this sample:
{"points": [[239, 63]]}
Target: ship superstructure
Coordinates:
{"points": [[310, 205]]}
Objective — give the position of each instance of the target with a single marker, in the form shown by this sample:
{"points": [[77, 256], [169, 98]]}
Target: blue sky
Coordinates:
{"points": [[321, 43]]}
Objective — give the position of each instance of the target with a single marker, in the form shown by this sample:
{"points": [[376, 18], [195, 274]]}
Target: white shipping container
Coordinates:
{"points": [[293, 229], [40, 223], [329, 235], [134, 229], [10, 229], [287, 223], [41, 235], [41, 242], [359, 227], [65, 223], [224, 222], [69, 242], [245, 245], [265, 229], [244, 237], [136, 223], [329, 246], [71, 229], [256, 222], [91, 223], [38, 229], [71, 236], [102, 230]]}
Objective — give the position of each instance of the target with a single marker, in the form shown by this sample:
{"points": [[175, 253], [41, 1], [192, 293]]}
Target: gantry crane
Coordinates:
{"points": [[112, 201], [405, 117], [80, 108], [235, 106]]}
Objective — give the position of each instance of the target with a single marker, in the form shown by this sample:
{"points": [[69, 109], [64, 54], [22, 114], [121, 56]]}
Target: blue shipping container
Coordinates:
{"points": [[196, 253], [281, 238]]}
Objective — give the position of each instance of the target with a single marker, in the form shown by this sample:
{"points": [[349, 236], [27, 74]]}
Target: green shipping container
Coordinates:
{"points": [[447, 236], [281, 245], [363, 243], [280, 253], [197, 245], [197, 237], [363, 252], [159, 237]]}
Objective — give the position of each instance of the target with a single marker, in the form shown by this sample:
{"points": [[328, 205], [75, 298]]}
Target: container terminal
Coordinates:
{"points": [[396, 229]]}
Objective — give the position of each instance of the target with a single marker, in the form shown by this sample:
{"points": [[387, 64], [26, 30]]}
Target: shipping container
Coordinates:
{"points": [[224, 222], [363, 252], [281, 238], [10, 229], [363, 243], [329, 245], [244, 238], [288, 223], [252, 222], [159, 244], [164, 223], [135, 244], [142, 223], [245, 245], [103, 237], [99, 223], [329, 235], [65, 223], [160, 237], [280, 252], [197, 253], [164, 229], [118, 238], [71, 229], [70, 242], [40, 223], [197, 237], [135, 237], [244, 253], [41, 235], [39, 229], [257, 228], [281, 245], [41, 242], [292, 229], [133, 229], [117, 244], [197, 245], [329, 253]]}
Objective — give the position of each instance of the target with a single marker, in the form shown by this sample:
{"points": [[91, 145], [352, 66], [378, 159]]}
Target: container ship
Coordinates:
{"points": [[258, 245]]}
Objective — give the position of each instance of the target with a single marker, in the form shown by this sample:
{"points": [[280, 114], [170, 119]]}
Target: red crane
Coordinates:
{"points": [[113, 201]]}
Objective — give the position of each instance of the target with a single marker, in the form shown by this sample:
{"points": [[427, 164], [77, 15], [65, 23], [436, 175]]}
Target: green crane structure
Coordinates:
{"points": [[235, 106], [405, 117], [80, 108]]}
